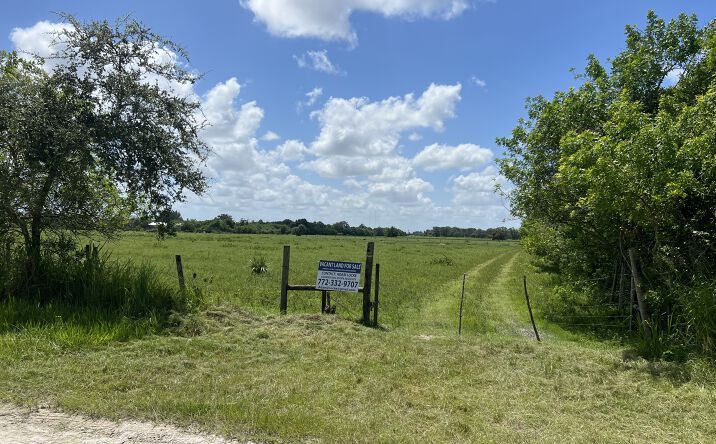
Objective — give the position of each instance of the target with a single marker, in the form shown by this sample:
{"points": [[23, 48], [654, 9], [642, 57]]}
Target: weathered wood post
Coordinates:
{"points": [[284, 278], [324, 298], [180, 274], [377, 292], [366, 284]]}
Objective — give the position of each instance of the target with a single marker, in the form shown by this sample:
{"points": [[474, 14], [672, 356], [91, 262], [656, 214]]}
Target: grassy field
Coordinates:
{"points": [[239, 369], [412, 269]]}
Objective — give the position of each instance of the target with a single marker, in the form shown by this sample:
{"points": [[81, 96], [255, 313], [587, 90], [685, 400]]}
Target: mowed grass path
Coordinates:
{"points": [[307, 377]]}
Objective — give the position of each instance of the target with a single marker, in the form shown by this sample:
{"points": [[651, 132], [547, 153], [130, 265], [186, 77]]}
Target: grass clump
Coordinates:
{"points": [[442, 260], [258, 265]]}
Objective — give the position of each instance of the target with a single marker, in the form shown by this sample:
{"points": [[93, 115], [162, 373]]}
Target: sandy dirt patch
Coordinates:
{"points": [[43, 425]]}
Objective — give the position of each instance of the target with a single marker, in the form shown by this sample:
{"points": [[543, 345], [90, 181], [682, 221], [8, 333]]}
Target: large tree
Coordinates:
{"points": [[619, 172], [98, 130]]}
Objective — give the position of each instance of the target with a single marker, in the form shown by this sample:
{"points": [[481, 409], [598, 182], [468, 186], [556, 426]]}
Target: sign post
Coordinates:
{"points": [[335, 276], [368, 280]]}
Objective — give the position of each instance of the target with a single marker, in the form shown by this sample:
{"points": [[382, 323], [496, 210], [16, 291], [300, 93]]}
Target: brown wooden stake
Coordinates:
{"points": [[377, 292], [462, 298], [323, 301], [529, 307], [639, 290], [180, 274], [284, 278], [366, 285]]}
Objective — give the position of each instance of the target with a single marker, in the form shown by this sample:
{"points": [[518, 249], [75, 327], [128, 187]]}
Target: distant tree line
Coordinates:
{"points": [[225, 223], [499, 233]]}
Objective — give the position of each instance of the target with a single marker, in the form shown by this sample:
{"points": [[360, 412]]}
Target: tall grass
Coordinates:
{"points": [[86, 299], [99, 282], [697, 305]]}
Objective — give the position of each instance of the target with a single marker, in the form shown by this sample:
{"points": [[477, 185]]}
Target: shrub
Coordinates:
{"points": [[699, 310]]}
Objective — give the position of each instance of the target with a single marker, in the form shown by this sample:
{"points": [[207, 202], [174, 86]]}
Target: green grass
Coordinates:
{"points": [[239, 369], [222, 265]]}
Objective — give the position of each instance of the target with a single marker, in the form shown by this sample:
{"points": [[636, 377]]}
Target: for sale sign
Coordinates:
{"points": [[338, 276]]}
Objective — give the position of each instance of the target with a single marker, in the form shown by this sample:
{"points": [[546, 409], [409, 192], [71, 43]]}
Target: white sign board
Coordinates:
{"points": [[338, 276]]}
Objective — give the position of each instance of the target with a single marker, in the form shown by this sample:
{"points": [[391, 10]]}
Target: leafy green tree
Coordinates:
{"points": [[96, 138], [619, 172]]}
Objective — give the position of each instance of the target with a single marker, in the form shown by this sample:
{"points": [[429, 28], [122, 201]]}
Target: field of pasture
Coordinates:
{"points": [[412, 269], [237, 368]]}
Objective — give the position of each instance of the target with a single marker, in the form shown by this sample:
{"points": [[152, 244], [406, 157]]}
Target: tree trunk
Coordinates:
{"points": [[32, 260], [639, 289]]}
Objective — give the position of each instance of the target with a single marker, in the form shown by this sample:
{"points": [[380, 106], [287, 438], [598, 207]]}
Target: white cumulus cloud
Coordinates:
{"points": [[443, 157], [673, 76], [45, 39], [38, 39], [478, 188], [312, 97], [477, 81], [330, 19], [292, 150], [318, 61], [270, 136], [358, 127]]}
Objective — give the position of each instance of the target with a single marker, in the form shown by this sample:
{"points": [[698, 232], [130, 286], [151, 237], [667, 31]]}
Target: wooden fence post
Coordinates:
{"points": [[284, 278], [366, 284], [377, 292], [180, 274], [529, 307]]}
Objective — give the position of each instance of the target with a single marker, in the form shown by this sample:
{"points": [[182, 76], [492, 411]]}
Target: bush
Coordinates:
{"points": [[698, 305]]}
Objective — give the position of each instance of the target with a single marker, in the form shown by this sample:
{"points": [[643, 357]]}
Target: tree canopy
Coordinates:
{"points": [[625, 163], [97, 134]]}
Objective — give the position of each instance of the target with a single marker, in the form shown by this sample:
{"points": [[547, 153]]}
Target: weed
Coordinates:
{"points": [[442, 260], [258, 265]]}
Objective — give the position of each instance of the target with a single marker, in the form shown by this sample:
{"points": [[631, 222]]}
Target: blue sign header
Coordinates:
{"points": [[346, 267]]}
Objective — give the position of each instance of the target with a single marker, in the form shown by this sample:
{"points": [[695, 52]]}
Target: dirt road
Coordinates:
{"points": [[18, 425]]}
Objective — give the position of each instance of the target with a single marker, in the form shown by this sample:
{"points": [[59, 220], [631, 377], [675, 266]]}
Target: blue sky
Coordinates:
{"points": [[375, 112]]}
